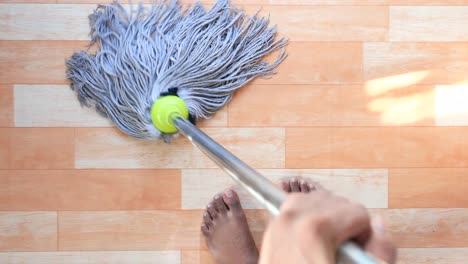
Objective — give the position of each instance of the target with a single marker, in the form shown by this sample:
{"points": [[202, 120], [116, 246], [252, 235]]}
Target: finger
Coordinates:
{"points": [[379, 243], [351, 221]]}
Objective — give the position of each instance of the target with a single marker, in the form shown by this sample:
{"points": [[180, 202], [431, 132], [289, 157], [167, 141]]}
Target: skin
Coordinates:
{"points": [[312, 224], [311, 227], [226, 230]]}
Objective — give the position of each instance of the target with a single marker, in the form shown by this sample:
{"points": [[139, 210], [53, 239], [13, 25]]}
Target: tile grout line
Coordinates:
{"points": [[388, 188], [74, 148], [227, 115], [58, 232]]}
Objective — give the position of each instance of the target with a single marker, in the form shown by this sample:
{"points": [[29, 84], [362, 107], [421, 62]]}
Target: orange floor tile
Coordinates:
{"points": [[371, 102]]}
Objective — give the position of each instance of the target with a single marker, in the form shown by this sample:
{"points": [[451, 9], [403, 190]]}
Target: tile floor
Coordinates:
{"points": [[371, 102]]}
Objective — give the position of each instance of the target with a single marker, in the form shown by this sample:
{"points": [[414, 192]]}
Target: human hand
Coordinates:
{"points": [[311, 227]]}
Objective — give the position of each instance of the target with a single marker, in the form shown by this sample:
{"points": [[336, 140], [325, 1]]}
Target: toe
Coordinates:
{"points": [[204, 230], [313, 186], [207, 219], [294, 185], [285, 185], [212, 210], [231, 198], [219, 204], [304, 186]]}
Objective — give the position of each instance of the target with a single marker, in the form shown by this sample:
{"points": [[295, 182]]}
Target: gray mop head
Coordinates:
{"points": [[200, 55]]}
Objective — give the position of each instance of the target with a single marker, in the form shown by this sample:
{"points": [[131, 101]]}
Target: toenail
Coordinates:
{"points": [[216, 197], [229, 194]]}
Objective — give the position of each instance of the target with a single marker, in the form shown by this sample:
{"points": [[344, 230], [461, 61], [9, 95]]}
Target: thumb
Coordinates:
{"points": [[379, 243]]}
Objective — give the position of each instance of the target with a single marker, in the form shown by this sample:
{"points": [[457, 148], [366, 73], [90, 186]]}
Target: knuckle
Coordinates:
{"points": [[287, 215]]}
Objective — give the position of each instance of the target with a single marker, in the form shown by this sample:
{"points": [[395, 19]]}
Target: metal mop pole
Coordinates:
{"points": [[257, 185]]}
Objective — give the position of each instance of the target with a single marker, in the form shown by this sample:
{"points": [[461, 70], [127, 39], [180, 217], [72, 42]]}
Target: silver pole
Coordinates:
{"points": [[256, 184]]}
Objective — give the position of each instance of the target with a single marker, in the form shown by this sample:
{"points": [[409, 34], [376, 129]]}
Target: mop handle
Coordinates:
{"points": [[256, 184]]}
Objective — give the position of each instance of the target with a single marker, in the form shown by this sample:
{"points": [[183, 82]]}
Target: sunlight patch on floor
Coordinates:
{"points": [[451, 105], [383, 85], [404, 110]]}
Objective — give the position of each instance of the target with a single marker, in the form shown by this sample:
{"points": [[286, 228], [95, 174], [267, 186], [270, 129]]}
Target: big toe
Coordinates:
{"points": [[231, 199]]}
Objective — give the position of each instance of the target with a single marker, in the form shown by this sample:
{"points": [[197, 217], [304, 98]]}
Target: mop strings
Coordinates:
{"points": [[143, 52]]}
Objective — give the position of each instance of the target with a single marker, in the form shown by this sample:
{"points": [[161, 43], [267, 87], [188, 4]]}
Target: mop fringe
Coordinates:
{"points": [[203, 55]]}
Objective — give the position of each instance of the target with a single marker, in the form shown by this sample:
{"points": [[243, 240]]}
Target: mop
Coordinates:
{"points": [[161, 68]]}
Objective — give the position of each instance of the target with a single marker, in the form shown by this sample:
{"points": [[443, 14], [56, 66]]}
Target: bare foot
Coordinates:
{"points": [[226, 231], [299, 184]]}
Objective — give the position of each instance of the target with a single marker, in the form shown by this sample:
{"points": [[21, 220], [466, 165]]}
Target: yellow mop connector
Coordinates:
{"points": [[165, 109]]}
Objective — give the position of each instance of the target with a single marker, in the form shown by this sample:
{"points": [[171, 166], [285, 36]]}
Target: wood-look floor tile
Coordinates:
{"points": [[319, 63], [425, 228], [432, 255], [129, 230], [308, 148], [299, 23], [28, 231], [428, 23], [328, 23], [197, 257], [220, 119], [33, 108], [368, 187], [282, 105], [6, 106], [333, 105], [29, 1], [413, 188], [427, 2], [5, 149], [92, 257], [42, 148], [89, 190], [434, 147], [36, 62], [341, 147], [108, 148], [27, 22], [365, 147], [397, 65], [368, 147], [450, 107]]}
